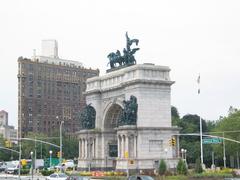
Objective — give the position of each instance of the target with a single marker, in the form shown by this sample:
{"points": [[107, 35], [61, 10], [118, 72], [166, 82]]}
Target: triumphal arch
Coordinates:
{"points": [[127, 120]]}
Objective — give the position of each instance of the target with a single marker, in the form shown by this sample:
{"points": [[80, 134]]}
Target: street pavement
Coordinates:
{"points": [[10, 176]]}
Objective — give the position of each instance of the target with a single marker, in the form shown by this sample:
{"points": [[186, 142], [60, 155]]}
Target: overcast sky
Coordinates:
{"points": [[188, 36]]}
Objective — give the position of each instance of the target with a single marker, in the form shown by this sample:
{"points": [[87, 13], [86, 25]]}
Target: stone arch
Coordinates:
{"points": [[111, 116]]}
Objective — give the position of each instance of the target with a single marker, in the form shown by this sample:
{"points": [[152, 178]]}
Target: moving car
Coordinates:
{"points": [[57, 176], [140, 177]]}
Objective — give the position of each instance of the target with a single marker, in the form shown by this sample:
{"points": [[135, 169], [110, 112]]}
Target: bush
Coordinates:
{"points": [[198, 166], [212, 175], [181, 167], [46, 172], [162, 167], [24, 171]]}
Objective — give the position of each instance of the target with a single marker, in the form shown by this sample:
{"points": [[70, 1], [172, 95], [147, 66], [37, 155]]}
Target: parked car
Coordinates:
{"points": [[57, 176], [68, 164], [3, 167], [11, 169], [79, 178], [140, 177]]}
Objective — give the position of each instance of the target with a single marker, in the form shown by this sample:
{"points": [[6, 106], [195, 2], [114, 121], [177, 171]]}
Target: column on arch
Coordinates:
{"points": [[80, 148], [93, 147], [119, 146], [86, 148], [122, 146], [127, 145], [135, 146], [83, 148]]}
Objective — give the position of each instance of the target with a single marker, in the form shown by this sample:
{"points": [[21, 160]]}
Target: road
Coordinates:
{"points": [[10, 176]]}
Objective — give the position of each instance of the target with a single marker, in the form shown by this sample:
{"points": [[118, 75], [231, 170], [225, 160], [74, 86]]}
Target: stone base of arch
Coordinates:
{"points": [[93, 150], [138, 148], [143, 148]]}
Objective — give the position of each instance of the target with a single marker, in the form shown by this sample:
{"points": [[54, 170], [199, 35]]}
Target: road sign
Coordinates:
{"points": [[212, 140], [126, 154]]}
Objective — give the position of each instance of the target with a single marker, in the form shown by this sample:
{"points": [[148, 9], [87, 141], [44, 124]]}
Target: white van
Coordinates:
{"points": [[68, 164]]}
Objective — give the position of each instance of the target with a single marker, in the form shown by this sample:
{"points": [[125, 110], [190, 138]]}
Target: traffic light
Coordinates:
{"points": [[173, 141], [8, 144], [58, 154]]}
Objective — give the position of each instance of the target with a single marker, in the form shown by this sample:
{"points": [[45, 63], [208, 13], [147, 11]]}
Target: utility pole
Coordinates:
{"points": [[237, 160], [20, 121], [224, 152], [200, 122], [213, 161], [32, 164], [60, 158], [35, 154], [201, 140]]}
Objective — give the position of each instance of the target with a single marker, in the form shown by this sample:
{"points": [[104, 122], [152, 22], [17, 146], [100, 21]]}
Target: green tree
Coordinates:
{"points": [[225, 124], [162, 167], [175, 116], [70, 146], [181, 167], [198, 166], [190, 123]]}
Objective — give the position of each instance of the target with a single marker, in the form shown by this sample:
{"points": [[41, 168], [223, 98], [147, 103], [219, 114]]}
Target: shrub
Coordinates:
{"points": [[198, 166], [181, 167], [162, 167], [24, 171], [46, 172]]}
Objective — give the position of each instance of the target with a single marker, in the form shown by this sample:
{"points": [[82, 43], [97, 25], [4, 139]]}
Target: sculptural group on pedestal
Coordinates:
{"points": [[87, 117], [128, 54], [129, 114]]}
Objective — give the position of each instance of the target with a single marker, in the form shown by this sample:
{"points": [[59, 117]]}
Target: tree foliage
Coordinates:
{"points": [[198, 166], [175, 116], [230, 125], [70, 146], [181, 167], [162, 167], [190, 123]]}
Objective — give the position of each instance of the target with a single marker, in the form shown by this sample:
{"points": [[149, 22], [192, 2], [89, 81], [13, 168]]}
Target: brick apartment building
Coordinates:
{"points": [[50, 90]]}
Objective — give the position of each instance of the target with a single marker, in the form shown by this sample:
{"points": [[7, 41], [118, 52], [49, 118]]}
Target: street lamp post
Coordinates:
{"points": [[185, 152], [184, 155], [60, 157], [32, 164], [166, 151], [182, 152], [50, 159]]}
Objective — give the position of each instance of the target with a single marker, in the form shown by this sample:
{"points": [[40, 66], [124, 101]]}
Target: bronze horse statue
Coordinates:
{"points": [[128, 54]]}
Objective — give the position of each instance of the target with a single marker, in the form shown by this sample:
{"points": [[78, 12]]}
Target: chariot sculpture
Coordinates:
{"points": [[116, 59]]}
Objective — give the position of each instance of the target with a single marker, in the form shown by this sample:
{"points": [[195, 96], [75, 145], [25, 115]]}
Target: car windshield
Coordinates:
{"points": [[132, 178], [11, 166], [146, 178], [62, 175], [53, 175]]}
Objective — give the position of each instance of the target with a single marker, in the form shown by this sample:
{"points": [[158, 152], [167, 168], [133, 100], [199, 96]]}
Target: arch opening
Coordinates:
{"points": [[112, 117]]}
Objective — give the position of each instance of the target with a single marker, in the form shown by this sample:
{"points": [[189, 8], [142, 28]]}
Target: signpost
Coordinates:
{"points": [[212, 140]]}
